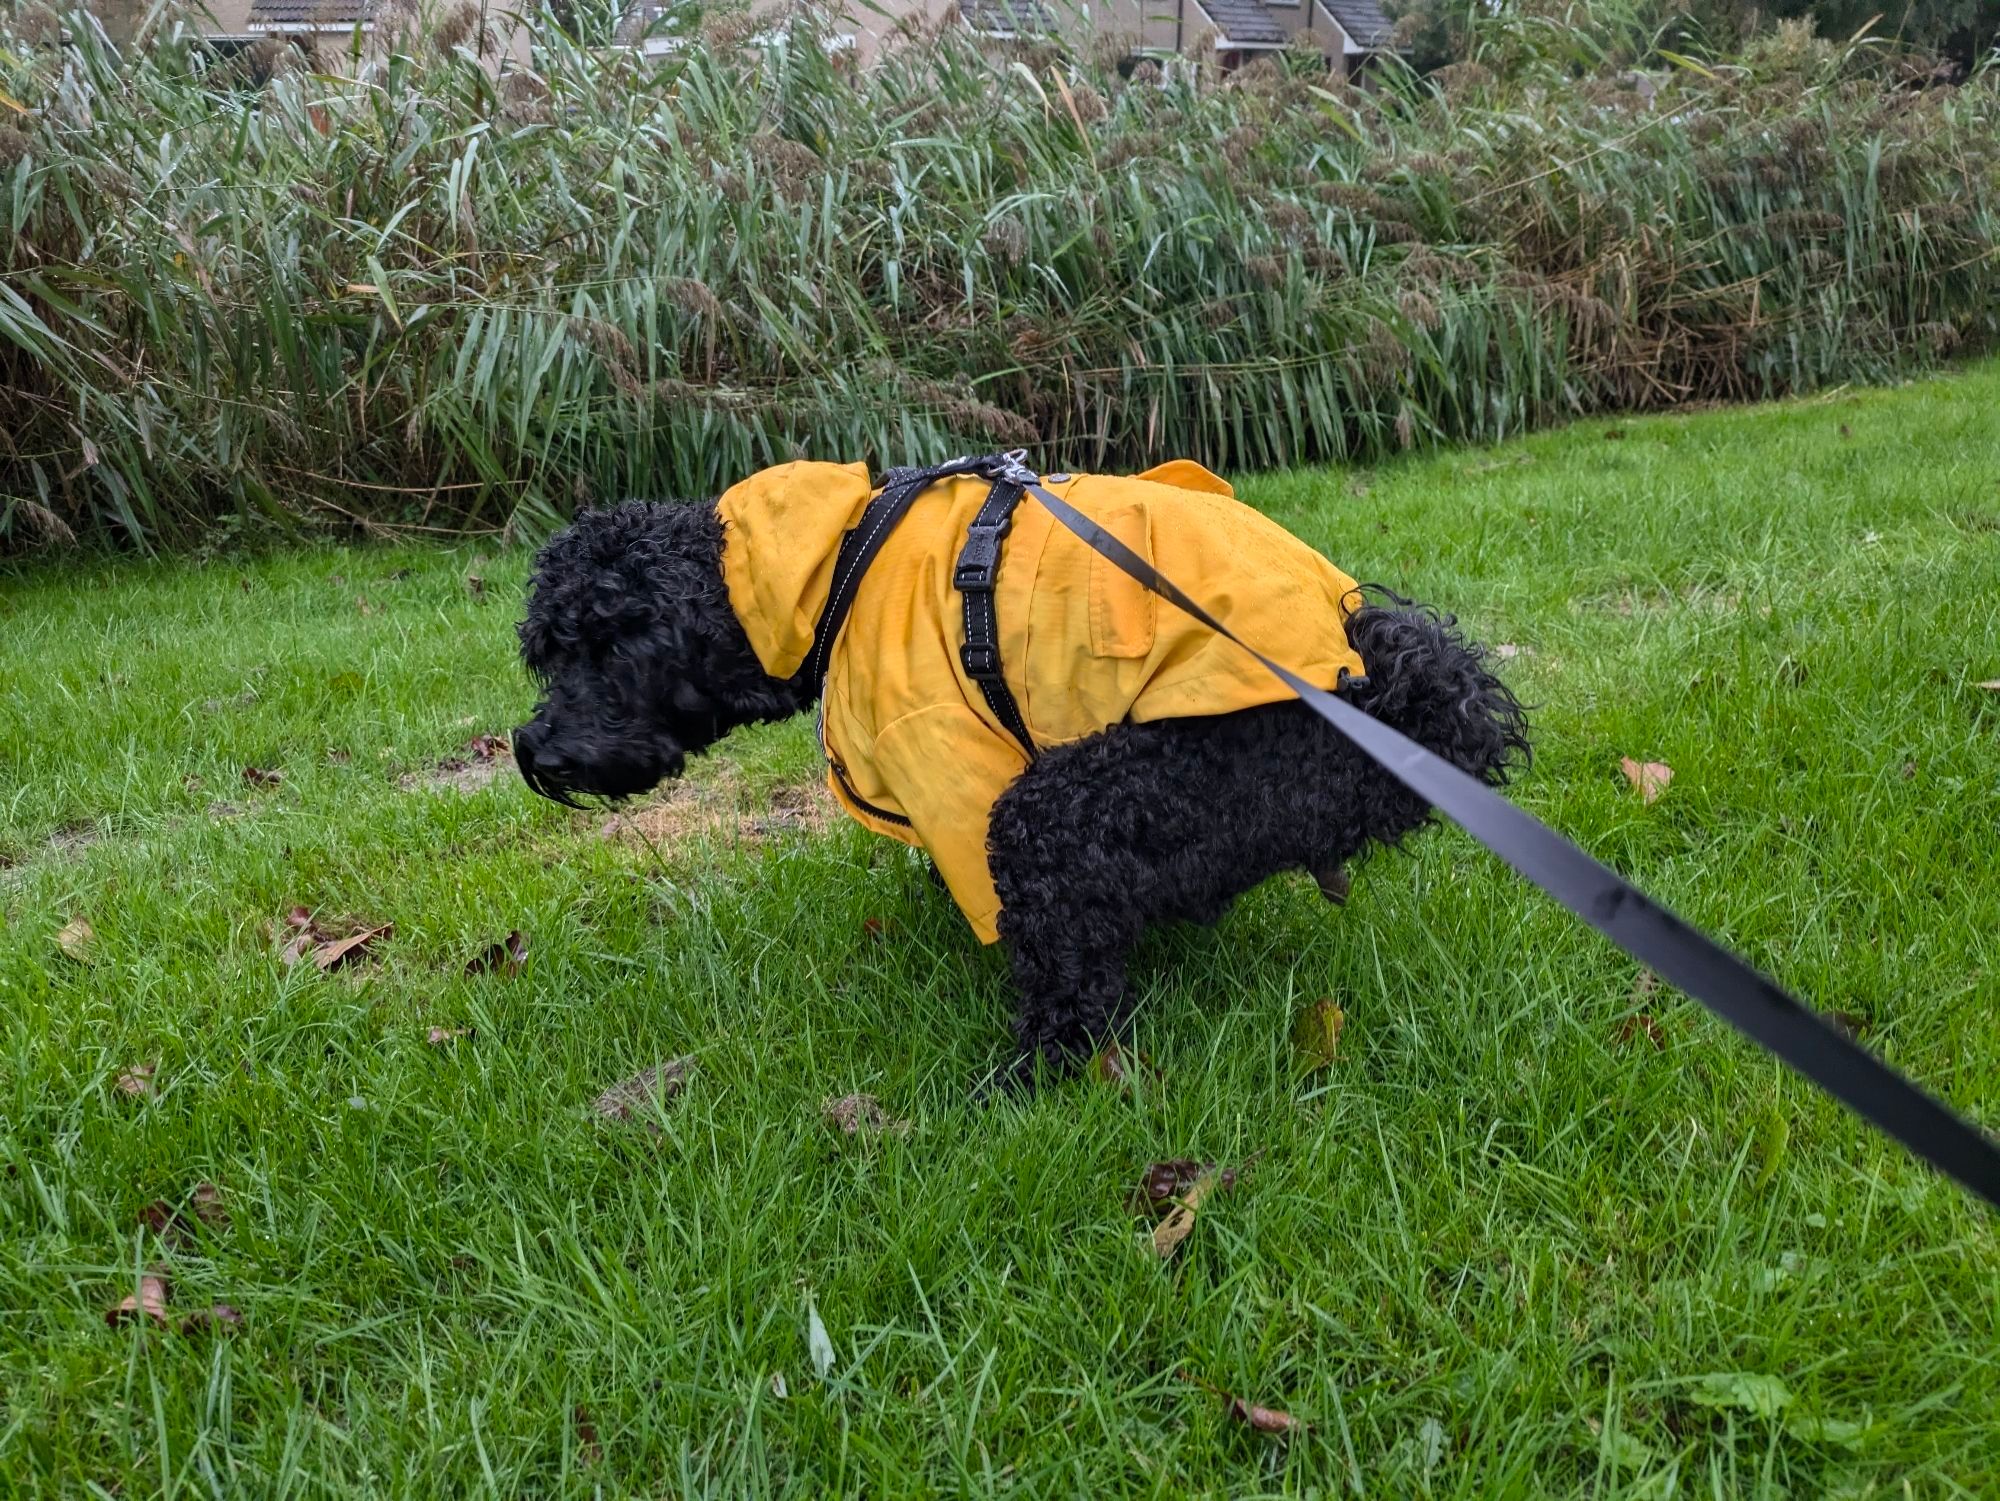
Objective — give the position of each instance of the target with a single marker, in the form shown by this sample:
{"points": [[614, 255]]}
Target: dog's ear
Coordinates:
{"points": [[1425, 679]]}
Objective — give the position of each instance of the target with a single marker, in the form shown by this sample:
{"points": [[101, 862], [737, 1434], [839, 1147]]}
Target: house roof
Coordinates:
{"points": [[1007, 17], [1363, 21], [1243, 23], [268, 15]]}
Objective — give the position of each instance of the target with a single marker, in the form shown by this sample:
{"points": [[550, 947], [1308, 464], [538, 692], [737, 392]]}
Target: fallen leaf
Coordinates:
{"points": [[817, 1342], [588, 1450], [1120, 1069], [644, 1092], [76, 940], [336, 952], [1164, 1184], [1846, 431], [1849, 1024], [1642, 1025], [1766, 1396], [778, 1387], [476, 586], [206, 1201], [1614, 433], [1176, 1227], [164, 1221], [137, 1081], [150, 1302], [1649, 777], [259, 776], [1316, 1035], [1837, 1431], [214, 1317], [856, 1114], [486, 747], [502, 958], [1909, 770], [872, 929], [441, 1036], [173, 1226], [1264, 1419]]}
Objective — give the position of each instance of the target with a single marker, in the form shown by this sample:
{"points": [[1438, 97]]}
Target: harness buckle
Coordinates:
{"points": [[979, 563]]}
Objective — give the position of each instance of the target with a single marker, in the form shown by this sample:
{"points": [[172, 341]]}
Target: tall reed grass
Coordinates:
{"points": [[427, 297]]}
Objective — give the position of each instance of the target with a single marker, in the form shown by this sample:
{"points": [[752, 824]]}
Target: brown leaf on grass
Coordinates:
{"points": [[1178, 1226], [1846, 431], [1642, 1025], [217, 1317], [872, 928], [149, 1302], [859, 1114], [638, 1096], [77, 940], [588, 1450], [333, 953], [1316, 1035], [1121, 1069], [1164, 1184], [502, 958], [262, 776], [206, 1202], [1909, 770], [1849, 1024], [137, 1081], [476, 587], [361, 604], [443, 1036], [486, 747], [173, 1225], [1615, 434], [1649, 778], [1264, 1419]]}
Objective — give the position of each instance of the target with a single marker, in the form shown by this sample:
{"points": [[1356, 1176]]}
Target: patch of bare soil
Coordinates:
{"points": [[484, 758], [722, 806]]}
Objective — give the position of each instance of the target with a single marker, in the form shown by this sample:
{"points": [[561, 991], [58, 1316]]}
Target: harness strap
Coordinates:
{"points": [[975, 577]]}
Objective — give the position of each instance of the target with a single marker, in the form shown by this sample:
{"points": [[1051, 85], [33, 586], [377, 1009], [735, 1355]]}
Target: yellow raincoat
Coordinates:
{"points": [[1082, 645]]}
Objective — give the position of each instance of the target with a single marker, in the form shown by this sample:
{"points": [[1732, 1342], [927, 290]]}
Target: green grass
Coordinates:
{"points": [[1492, 1252]]}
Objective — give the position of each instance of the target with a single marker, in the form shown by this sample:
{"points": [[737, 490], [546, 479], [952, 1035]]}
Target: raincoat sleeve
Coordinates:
{"points": [[948, 767]]}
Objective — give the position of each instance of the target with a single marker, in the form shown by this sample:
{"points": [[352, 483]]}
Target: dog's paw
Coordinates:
{"points": [[1334, 884]]}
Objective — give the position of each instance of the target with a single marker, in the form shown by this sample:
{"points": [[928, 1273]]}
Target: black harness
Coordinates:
{"points": [[975, 576], [1753, 1004]]}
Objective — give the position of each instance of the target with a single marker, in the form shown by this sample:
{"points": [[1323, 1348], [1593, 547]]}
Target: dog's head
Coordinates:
{"points": [[641, 661]]}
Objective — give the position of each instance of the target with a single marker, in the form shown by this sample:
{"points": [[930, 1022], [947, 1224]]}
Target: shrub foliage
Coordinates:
{"points": [[427, 296]]}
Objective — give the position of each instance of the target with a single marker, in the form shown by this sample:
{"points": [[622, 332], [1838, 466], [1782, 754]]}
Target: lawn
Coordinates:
{"points": [[1539, 1229]]}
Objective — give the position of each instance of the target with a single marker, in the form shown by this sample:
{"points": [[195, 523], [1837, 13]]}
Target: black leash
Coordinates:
{"points": [[1678, 953]]}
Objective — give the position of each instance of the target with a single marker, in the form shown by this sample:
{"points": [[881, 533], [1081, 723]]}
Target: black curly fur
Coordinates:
{"points": [[643, 663], [641, 660]]}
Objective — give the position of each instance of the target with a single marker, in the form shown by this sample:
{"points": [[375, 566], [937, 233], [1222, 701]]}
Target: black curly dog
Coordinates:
{"points": [[629, 631]]}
